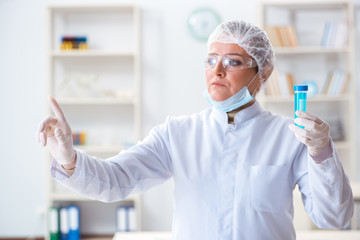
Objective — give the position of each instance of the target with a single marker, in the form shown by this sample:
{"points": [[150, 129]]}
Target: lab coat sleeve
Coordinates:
{"points": [[135, 170], [326, 191]]}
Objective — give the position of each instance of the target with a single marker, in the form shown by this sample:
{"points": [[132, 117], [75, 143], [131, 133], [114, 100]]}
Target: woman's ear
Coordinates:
{"points": [[266, 73]]}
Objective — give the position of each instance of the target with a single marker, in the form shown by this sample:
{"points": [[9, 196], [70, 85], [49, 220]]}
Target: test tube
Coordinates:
{"points": [[300, 92]]}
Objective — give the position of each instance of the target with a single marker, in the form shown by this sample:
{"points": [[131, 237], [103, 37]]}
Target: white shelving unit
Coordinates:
{"points": [[99, 90], [310, 60], [357, 86]]}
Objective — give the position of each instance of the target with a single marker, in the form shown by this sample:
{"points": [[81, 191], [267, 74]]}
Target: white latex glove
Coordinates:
{"points": [[316, 135], [55, 133]]}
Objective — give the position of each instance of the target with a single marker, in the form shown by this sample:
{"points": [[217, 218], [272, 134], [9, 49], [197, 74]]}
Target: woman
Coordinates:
{"points": [[234, 166]]}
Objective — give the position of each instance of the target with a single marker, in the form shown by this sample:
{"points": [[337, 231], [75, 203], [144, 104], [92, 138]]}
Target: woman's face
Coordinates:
{"points": [[223, 83]]}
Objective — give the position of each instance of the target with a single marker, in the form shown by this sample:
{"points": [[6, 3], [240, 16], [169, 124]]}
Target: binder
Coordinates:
{"points": [[126, 220], [74, 222], [64, 224], [54, 223], [132, 219], [121, 219]]}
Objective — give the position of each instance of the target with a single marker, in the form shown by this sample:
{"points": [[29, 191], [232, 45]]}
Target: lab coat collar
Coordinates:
{"points": [[240, 118]]}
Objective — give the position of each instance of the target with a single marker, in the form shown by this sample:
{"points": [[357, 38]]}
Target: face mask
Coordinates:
{"points": [[239, 99]]}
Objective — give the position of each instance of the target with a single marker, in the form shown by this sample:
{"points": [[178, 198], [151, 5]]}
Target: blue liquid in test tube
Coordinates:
{"points": [[300, 98]]}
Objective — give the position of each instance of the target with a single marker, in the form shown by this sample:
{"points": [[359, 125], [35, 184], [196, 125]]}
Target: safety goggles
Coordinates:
{"points": [[231, 62]]}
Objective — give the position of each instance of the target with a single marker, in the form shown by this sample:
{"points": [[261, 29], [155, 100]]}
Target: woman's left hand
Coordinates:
{"points": [[316, 135]]}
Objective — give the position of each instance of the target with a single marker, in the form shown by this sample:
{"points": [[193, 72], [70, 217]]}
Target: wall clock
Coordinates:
{"points": [[201, 22]]}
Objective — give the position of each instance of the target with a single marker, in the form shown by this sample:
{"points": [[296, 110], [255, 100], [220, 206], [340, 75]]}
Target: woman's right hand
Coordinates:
{"points": [[55, 133]]}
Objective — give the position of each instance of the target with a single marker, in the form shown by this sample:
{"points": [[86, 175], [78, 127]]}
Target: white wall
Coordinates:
{"points": [[172, 70]]}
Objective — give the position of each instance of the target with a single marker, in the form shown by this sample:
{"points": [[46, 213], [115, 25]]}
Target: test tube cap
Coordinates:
{"points": [[300, 87]]}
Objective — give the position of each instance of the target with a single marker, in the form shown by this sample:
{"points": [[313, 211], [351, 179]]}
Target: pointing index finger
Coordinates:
{"points": [[56, 109]]}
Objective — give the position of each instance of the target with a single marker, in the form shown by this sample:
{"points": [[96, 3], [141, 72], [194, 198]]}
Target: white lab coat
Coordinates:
{"points": [[231, 181]]}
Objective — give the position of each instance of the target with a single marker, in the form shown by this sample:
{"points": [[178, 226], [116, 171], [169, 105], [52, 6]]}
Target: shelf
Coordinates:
{"points": [[100, 149], [95, 237], [311, 61], [91, 53], [114, 61], [310, 50], [355, 186], [70, 196], [317, 98], [94, 101], [301, 5], [93, 7], [67, 197]]}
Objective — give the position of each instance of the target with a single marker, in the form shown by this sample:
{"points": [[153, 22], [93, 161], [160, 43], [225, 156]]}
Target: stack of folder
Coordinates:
{"points": [[126, 219], [64, 223]]}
